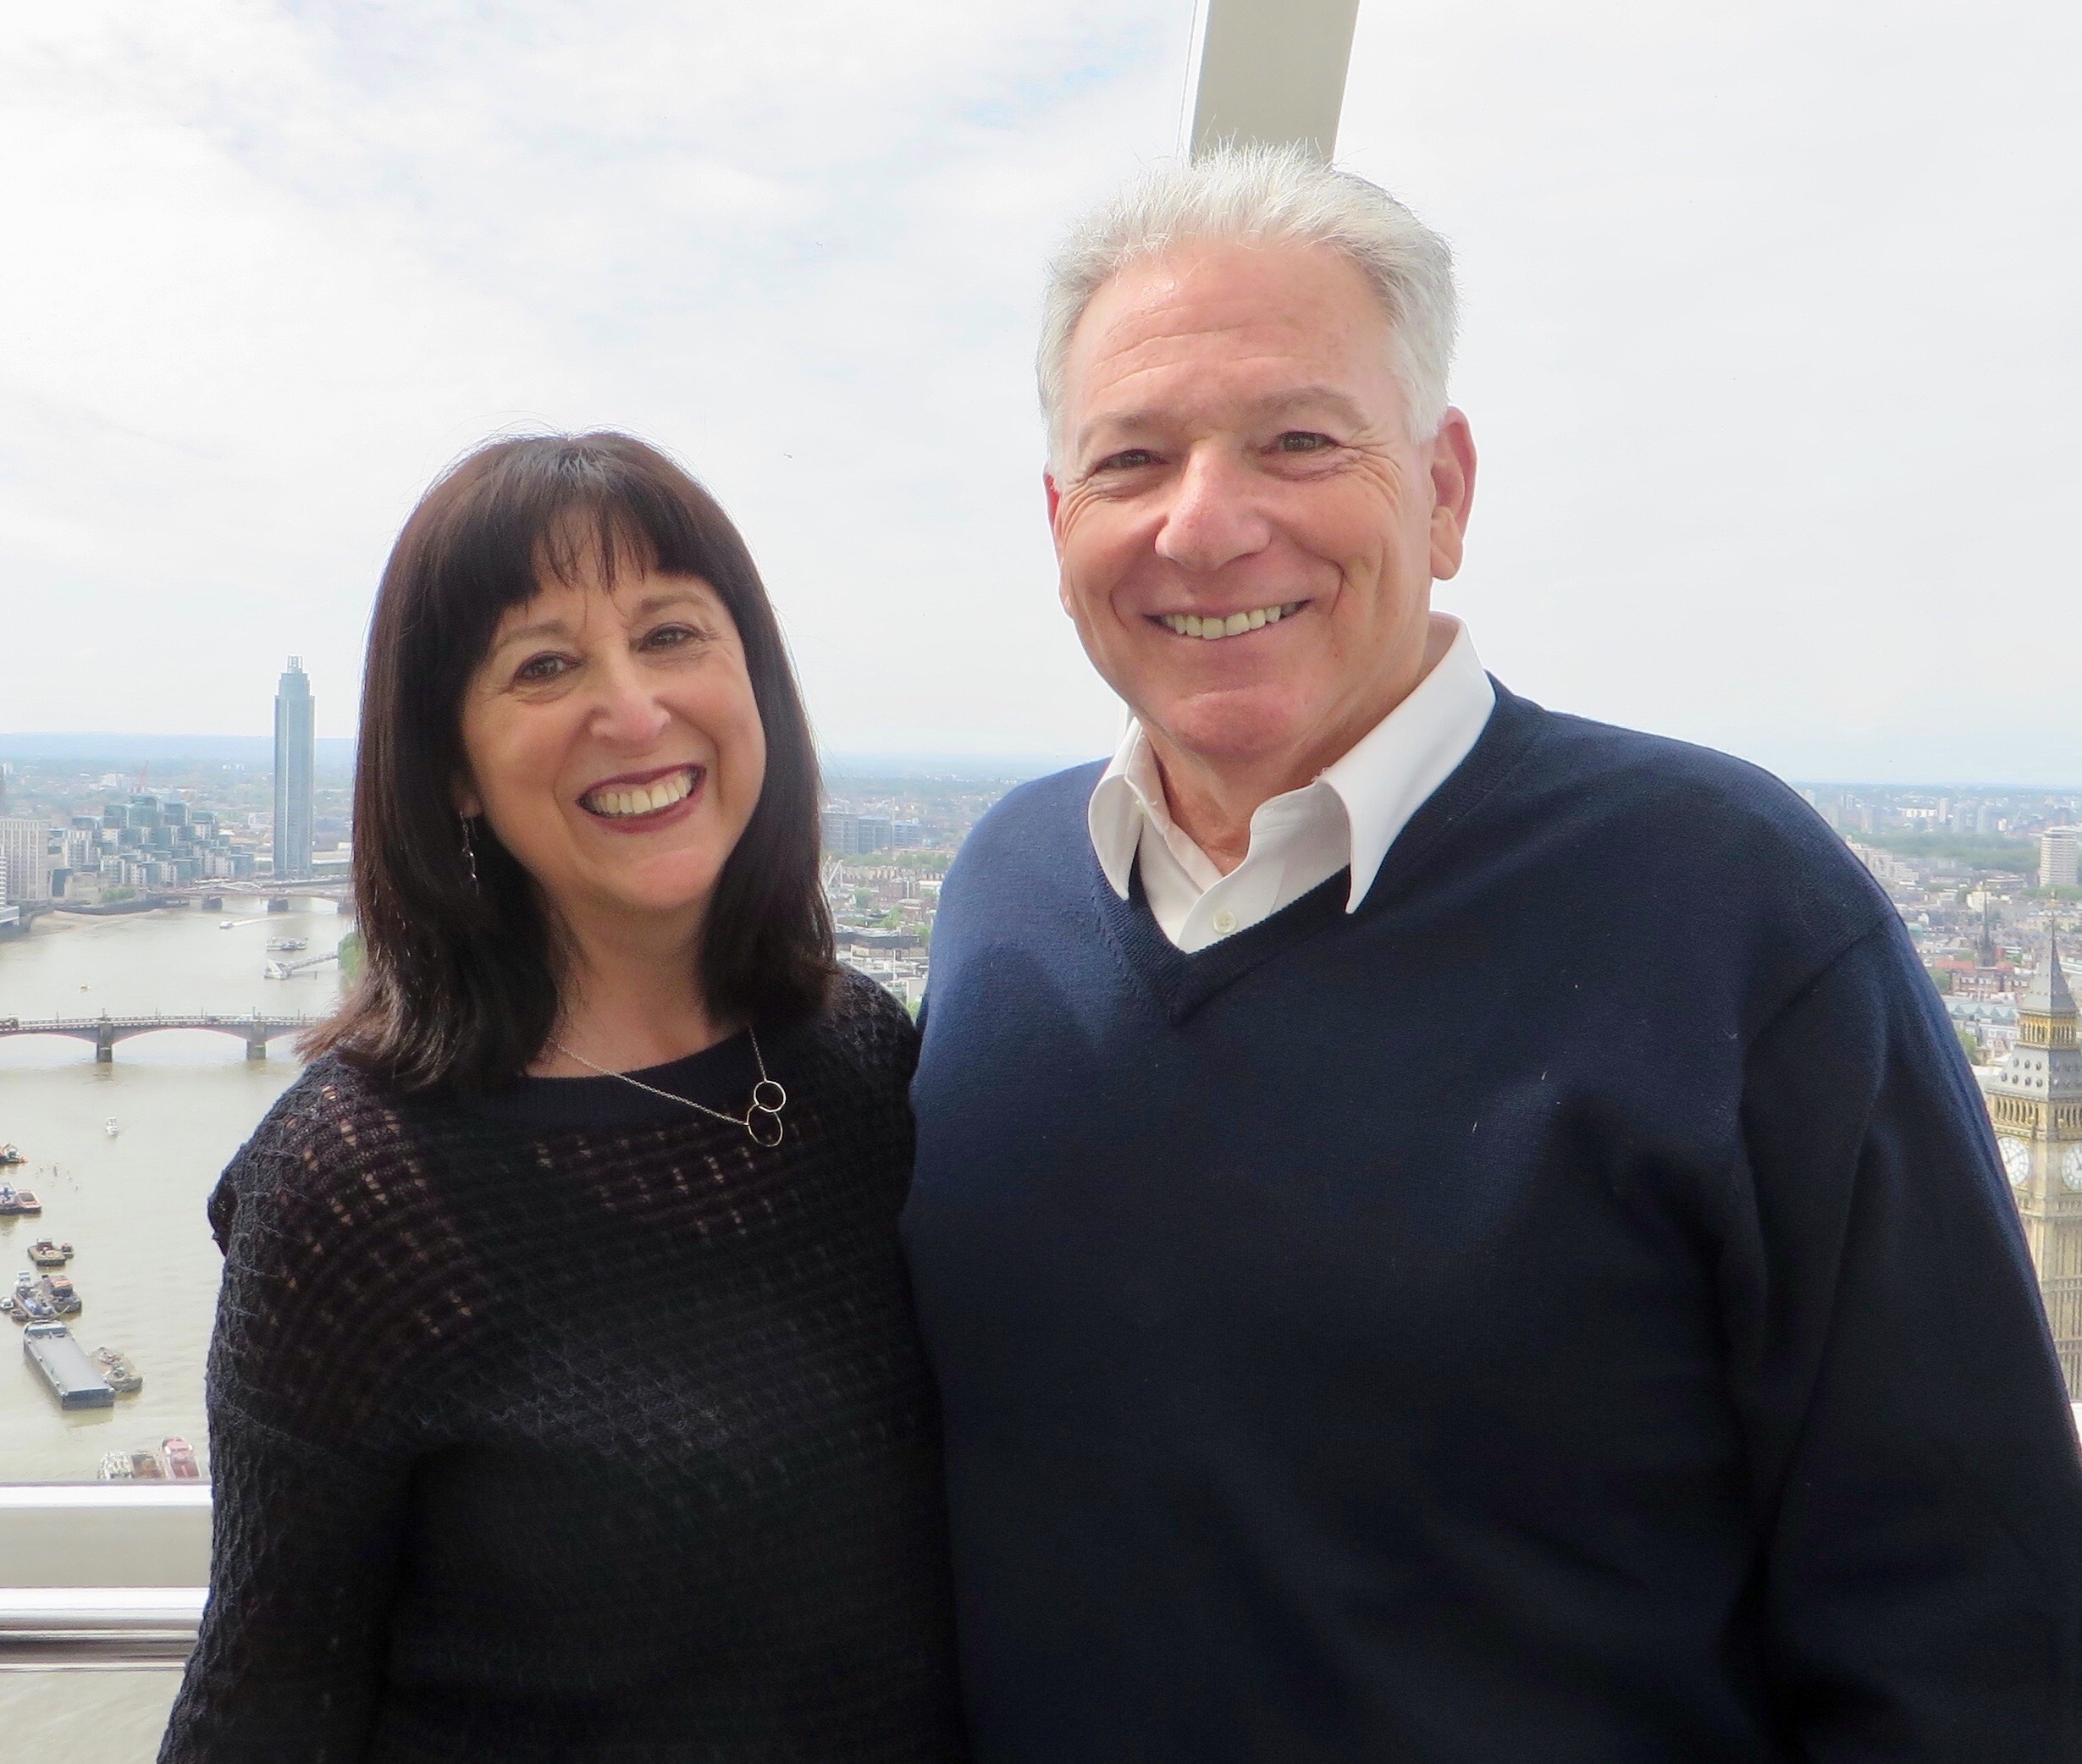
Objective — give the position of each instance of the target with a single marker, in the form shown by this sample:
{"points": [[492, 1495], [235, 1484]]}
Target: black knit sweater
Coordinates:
{"points": [[574, 1426]]}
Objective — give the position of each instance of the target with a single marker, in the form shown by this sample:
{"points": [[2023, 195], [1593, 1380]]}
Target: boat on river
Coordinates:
{"points": [[112, 1126], [57, 1291], [71, 1376], [290, 943], [116, 1466], [180, 1459], [18, 1203], [11, 1155], [145, 1466], [120, 1370], [45, 1253]]}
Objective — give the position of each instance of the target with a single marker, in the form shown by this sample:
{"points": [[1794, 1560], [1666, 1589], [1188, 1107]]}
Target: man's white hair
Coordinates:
{"points": [[1264, 196]]}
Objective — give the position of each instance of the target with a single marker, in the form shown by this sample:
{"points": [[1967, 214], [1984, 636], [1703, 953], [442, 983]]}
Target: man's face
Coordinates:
{"points": [[1234, 449]]}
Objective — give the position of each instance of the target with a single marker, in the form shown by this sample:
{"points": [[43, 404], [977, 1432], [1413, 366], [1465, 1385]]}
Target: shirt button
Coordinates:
{"points": [[1223, 923]]}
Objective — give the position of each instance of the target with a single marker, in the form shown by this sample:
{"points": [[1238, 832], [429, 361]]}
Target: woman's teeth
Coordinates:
{"points": [[1189, 625], [619, 801]]}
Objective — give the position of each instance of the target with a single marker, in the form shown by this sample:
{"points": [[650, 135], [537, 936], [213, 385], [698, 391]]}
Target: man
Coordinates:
{"points": [[1446, 1231]]}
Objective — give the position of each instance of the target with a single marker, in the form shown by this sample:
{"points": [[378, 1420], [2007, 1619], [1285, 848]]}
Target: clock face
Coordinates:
{"points": [[2071, 1167], [2017, 1159]]}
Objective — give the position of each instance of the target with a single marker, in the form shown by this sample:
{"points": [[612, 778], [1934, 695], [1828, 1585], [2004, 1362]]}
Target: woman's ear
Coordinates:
{"points": [[465, 800]]}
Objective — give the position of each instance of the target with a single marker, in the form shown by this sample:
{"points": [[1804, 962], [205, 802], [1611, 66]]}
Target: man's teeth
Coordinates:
{"points": [[1190, 625], [618, 800]]}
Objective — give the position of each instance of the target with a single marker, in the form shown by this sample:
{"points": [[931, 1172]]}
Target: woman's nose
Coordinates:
{"points": [[628, 713]]}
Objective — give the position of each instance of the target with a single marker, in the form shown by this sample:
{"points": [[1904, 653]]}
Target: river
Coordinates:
{"points": [[132, 1207]]}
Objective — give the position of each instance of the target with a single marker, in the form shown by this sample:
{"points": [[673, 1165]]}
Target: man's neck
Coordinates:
{"points": [[1212, 798]]}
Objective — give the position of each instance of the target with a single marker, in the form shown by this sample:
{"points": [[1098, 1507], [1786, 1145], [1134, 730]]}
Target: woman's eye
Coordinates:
{"points": [[671, 637], [540, 668], [1303, 441]]}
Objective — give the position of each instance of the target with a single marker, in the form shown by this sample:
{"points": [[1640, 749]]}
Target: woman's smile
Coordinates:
{"points": [[643, 801]]}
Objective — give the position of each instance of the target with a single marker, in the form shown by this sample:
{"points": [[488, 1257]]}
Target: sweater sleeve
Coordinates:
{"points": [[1911, 1442], [309, 1492]]}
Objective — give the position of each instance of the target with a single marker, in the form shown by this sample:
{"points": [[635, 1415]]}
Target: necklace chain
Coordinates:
{"points": [[761, 1121]]}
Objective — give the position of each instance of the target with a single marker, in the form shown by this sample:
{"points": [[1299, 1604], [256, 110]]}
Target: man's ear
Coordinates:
{"points": [[1452, 453]]}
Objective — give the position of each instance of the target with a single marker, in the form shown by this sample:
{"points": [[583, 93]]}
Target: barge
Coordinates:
{"points": [[18, 1203], [44, 1253], [65, 1367]]}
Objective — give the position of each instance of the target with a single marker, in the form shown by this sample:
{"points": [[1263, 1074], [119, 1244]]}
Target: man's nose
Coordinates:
{"points": [[1212, 520]]}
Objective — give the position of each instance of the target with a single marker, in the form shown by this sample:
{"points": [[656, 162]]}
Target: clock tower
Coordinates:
{"points": [[2034, 1100]]}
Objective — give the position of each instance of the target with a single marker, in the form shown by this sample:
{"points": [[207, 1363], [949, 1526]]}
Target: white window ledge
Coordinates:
{"points": [[106, 1574]]}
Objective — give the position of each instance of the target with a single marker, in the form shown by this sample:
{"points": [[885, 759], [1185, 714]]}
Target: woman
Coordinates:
{"points": [[564, 1401]]}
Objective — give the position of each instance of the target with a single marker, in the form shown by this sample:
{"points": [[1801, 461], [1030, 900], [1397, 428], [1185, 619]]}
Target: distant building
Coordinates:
{"points": [[2059, 849], [295, 770], [24, 850], [839, 840], [2035, 1101]]}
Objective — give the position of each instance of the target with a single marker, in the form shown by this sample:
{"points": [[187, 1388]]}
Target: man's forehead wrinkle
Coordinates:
{"points": [[1139, 414]]}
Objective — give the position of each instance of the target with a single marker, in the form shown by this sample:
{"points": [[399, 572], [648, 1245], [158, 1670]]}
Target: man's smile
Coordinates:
{"points": [[1211, 625]]}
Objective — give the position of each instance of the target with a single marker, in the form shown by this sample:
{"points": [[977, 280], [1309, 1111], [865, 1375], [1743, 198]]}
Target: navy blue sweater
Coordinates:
{"points": [[1568, 1309]]}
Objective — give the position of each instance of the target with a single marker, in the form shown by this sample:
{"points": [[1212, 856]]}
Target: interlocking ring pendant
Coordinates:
{"points": [[766, 1127], [768, 1097]]}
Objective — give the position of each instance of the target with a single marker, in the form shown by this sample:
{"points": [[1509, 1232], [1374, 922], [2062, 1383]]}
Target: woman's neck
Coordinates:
{"points": [[629, 998]]}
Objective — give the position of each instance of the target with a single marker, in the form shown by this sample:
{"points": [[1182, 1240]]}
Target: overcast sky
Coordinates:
{"points": [[1771, 346]]}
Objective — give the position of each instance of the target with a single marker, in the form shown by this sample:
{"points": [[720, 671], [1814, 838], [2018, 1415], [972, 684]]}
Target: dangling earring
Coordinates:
{"points": [[469, 853]]}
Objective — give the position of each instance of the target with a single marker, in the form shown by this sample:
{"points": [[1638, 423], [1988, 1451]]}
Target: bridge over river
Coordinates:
{"points": [[256, 1031]]}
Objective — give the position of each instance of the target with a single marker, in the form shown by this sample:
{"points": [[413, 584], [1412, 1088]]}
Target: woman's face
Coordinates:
{"points": [[614, 746]]}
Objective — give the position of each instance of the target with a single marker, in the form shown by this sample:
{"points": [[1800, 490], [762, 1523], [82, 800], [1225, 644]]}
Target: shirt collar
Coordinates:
{"points": [[1383, 780]]}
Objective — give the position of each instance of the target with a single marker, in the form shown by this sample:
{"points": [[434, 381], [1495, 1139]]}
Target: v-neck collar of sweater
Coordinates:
{"points": [[1182, 983]]}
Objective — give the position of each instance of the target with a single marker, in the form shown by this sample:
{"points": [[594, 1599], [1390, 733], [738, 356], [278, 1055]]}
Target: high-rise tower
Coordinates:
{"points": [[2035, 1102], [295, 771]]}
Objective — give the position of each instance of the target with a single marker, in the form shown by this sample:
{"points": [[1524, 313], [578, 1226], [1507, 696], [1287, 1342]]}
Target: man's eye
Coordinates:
{"points": [[1132, 460], [1303, 441], [540, 668]]}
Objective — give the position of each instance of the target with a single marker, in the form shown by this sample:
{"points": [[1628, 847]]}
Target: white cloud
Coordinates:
{"points": [[1769, 346]]}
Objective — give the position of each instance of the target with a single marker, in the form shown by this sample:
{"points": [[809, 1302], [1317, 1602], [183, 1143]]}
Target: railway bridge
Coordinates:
{"points": [[256, 1030]]}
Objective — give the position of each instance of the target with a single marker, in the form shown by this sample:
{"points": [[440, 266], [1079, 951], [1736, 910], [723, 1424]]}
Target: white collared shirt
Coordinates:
{"points": [[1349, 816]]}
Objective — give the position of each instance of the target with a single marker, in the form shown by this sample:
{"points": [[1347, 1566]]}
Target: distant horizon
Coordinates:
{"points": [[118, 747]]}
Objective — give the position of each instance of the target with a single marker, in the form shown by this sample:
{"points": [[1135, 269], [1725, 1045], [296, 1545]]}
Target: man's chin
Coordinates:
{"points": [[1241, 729]]}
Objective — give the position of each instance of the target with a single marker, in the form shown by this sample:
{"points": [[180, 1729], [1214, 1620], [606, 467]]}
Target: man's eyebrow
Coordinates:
{"points": [[1128, 424]]}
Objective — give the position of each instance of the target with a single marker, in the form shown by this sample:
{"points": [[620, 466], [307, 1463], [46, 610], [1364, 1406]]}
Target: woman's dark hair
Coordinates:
{"points": [[458, 989]]}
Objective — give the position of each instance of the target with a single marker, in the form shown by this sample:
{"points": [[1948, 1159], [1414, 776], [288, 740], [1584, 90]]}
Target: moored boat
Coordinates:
{"points": [[18, 1203], [120, 1370], [11, 1155], [112, 1126], [71, 1376], [57, 1291], [45, 1253], [145, 1467], [180, 1459], [116, 1466]]}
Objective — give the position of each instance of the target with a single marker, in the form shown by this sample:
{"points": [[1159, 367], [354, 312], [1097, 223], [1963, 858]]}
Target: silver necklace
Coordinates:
{"points": [[761, 1120]]}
